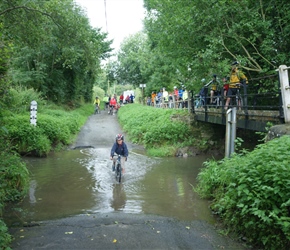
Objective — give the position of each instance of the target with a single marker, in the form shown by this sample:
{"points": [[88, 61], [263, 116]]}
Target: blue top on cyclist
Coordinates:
{"points": [[119, 147]]}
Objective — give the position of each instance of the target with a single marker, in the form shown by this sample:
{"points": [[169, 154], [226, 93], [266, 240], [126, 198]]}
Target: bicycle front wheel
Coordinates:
{"points": [[118, 173]]}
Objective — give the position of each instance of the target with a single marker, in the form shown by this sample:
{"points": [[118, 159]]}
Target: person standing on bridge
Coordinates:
{"points": [[236, 79]]}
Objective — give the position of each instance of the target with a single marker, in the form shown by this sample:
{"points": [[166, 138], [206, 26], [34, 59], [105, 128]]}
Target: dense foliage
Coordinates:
{"points": [[251, 193], [51, 48], [185, 41], [161, 131], [56, 127]]}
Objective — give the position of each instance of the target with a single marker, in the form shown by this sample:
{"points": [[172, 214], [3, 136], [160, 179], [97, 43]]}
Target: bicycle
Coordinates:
{"points": [[111, 110], [118, 169], [97, 109], [106, 106], [239, 99]]}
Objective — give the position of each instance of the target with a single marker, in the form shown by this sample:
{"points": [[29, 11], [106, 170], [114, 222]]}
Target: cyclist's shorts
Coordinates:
{"points": [[231, 92]]}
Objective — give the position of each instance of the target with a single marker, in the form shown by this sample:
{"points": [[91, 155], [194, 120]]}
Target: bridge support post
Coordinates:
{"points": [[285, 91], [231, 125]]}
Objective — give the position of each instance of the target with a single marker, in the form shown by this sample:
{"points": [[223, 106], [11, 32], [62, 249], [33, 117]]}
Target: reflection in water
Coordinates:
{"points": [[169, 190], [32, 187], [76, 182], [118, 200]]}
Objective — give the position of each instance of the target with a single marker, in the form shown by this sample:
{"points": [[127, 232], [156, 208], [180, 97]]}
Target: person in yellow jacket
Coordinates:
{"points": [[236, 79], [97, 103]]}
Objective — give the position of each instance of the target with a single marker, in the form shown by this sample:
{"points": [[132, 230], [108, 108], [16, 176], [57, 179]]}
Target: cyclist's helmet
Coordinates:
{"points": [[235, 63], [97, 97], [119, 137]]}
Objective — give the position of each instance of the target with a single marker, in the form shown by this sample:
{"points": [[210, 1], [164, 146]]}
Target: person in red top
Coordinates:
{"points": [[175, 94], [113, 104], [121, 99]]}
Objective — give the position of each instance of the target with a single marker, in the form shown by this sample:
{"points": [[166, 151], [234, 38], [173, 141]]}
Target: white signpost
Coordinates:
{"points": [[143, 86], [33, 113]]}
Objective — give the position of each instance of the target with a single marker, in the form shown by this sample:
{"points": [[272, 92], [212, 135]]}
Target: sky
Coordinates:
{"points": [[124, 17]]}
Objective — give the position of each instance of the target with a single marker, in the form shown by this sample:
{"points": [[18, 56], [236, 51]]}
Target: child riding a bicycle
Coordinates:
{"points": [[119, 148], [236, 79]]}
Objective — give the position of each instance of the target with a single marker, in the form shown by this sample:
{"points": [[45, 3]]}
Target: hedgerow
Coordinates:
{"points": [[251, 193], [56, 127]]}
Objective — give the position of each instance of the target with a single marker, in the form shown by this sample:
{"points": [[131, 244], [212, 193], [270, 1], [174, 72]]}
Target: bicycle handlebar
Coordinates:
{"points": [[121, 156]]}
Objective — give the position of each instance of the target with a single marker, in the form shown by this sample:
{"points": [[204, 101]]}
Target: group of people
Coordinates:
{"points": [[163, 98], [227, 89], [127, 99], [112, 101]]}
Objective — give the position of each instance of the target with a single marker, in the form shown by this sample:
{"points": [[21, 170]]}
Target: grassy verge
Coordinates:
{"points": [[56, 127], [163, 131]]}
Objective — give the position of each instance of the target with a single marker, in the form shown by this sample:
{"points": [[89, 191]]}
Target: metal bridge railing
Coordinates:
{"points": [[251, 98]]}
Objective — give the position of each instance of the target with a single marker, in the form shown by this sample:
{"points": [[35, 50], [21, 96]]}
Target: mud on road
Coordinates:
{"points": [[116, 230]]}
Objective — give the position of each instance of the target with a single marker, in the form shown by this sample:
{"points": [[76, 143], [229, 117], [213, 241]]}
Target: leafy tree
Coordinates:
{"points": [[129, 60], [207, 35], [55, 49]]}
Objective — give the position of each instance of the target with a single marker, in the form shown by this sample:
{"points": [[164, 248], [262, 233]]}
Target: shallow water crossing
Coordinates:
{"points": [[81, 181]]}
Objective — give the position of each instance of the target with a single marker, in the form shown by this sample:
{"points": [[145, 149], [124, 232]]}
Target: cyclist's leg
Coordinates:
{"points": [[229, 97], [114, 163]]}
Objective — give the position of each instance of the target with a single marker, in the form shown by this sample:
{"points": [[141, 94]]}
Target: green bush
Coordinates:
{"points": [[5, 238], [153, 126], [13, 185], [161, 131], [13, 178], [26, 138], [54, 128], [251, 193], [19, 99], [71, 120]]}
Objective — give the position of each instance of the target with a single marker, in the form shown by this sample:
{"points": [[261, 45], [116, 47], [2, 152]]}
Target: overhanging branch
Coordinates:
{"points": [[29, 9]]}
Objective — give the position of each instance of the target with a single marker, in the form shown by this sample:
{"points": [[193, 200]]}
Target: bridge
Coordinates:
{"points": [[257, 111]]}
